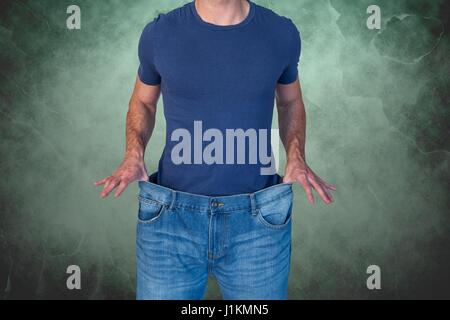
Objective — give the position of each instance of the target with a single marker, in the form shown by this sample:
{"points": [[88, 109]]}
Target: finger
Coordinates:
{"points": [[328, 185], [320, 190], [100, 182], [308, 190], [122, 186], [329, 194], [109, 186]]}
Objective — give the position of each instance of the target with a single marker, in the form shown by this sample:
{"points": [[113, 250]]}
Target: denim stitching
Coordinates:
{"points": [[273, 226], [162, 210]]}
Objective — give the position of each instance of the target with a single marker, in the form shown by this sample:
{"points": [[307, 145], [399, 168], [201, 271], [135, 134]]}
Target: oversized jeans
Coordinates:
{"points": [[243, 241]]}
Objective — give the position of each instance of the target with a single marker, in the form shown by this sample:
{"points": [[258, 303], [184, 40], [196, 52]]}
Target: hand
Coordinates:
{"points": [[130, 170], [298, 171]]}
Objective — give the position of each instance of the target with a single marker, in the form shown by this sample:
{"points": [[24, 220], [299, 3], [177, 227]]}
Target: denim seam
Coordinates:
{"points": [[206, 209], [153, 185], [162, 210], [273, 226], [151, 201], [279, 197]]}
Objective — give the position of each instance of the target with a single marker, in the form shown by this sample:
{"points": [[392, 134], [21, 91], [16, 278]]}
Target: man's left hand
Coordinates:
{"points": [[299, 172]]}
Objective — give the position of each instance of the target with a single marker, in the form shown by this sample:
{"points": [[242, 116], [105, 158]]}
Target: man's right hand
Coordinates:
{"points": [[139, 126], [130, 170]]}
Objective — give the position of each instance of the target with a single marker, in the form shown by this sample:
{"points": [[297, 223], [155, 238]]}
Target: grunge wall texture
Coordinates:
{"points": [[378, 126]]}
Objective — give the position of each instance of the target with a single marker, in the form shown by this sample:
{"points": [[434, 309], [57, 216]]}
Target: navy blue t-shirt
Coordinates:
{"points": [[218, 89]]}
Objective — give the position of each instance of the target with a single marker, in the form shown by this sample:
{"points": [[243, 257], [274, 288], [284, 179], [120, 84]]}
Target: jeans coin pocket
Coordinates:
{"points": [[149, 210], [276, 213]]}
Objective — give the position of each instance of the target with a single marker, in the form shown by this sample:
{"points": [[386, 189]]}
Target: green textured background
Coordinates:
{"points": [[378, 127]]}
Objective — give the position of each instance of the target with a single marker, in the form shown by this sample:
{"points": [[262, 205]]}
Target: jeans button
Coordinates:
{"points": [[216, 204]]}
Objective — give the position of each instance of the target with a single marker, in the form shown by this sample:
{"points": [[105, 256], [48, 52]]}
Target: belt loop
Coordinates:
{"points": [[172, 202], [253, 204]]}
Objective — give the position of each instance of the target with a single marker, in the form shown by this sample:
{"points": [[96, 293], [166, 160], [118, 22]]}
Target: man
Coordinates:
{"points": [[216, 206]]}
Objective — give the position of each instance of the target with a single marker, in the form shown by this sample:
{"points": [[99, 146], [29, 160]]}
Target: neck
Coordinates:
{"points": [[222, 12]]}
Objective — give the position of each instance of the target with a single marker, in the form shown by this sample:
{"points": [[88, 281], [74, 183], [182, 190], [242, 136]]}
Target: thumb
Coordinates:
{"points": [[144, 176], [287, 179]]}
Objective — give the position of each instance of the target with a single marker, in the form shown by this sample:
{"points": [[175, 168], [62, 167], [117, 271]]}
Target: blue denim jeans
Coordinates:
{"points": [[243, 241]]}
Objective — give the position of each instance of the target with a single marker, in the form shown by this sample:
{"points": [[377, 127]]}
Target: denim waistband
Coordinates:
{"points": [[248, 201]]}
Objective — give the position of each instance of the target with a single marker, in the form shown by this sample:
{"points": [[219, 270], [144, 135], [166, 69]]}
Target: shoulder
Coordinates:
{"points": [[281, 26], [269, 16], [165, 22], [281, 31]]}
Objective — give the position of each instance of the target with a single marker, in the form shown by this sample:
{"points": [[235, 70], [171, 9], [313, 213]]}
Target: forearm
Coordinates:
{"points": [[292, 126], [140, 123]]}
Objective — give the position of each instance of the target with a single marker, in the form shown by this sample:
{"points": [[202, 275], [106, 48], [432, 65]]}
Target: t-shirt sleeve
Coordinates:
{"points": [[290, 72], [147, 72]]}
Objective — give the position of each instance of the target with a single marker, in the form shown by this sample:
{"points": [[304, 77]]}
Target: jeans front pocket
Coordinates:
{"points": [[150, 210], [277, 213]]}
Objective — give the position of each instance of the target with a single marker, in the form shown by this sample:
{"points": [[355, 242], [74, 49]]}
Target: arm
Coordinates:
{"points": [[292, 126], [139, 127]]}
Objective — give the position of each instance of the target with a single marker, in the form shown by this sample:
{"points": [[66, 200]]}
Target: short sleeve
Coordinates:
{"points": [[147, 72], [290, 72]]}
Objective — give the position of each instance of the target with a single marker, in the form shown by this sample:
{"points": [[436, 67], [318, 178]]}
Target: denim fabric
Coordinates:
{"points": [[244, 241]]}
